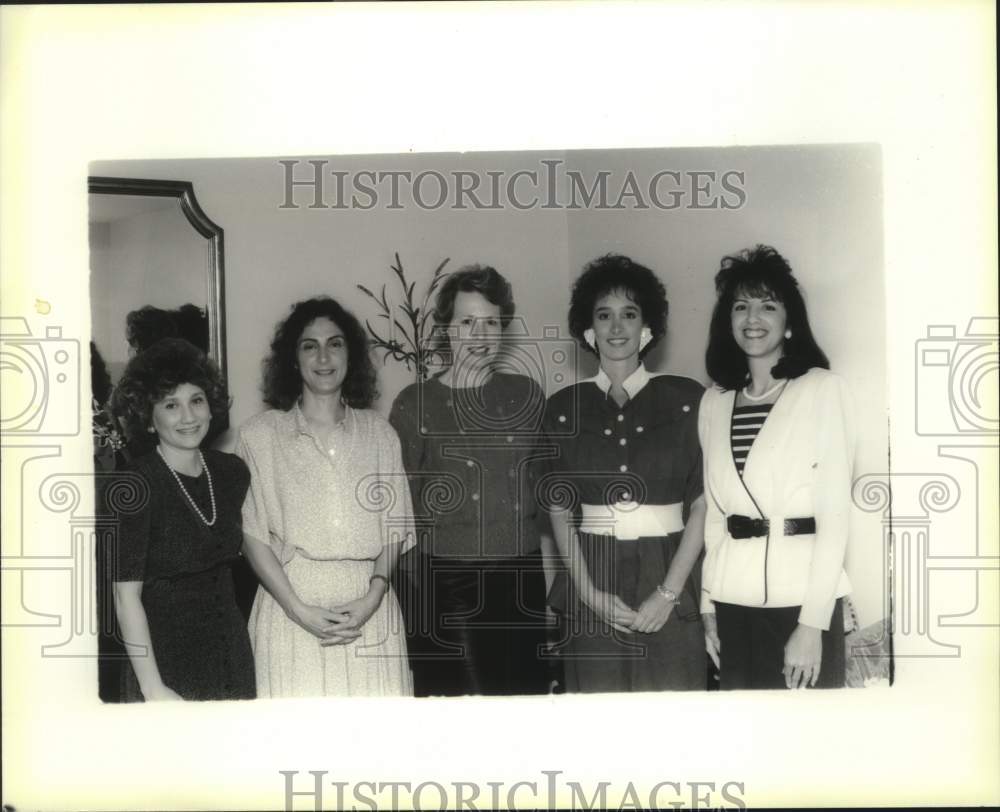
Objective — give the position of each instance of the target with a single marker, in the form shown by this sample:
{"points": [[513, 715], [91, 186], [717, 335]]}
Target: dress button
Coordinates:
{"points": [[639, 429], [625, 497], [470, 463], [332, 452], [621, 417], [623, 441], [510, 438], [562, 418], [607, 432], [475, 497], [686, 408], [623, 468], [423, 429]]}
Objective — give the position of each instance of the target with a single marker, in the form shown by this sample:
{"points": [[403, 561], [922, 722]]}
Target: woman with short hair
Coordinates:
{"points": [[477, 587], [778, 439]]}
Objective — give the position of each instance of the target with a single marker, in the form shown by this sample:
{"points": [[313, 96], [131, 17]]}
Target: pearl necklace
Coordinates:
{"points": [[211, 490], [768, 393]]}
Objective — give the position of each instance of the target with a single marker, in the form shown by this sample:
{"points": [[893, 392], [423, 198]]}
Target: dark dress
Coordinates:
{"points": [[473, 591], [198, 633], [646, 452]]}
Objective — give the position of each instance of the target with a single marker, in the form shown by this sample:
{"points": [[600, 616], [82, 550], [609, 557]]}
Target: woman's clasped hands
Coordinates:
{"points": [[336, 625], [650, 617]]}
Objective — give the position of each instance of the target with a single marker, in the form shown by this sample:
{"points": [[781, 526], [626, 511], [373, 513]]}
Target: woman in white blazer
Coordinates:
{"points": [[777, 438]]}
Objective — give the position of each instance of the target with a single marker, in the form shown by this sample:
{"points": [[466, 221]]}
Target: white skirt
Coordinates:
{"points": [[289, 661]]}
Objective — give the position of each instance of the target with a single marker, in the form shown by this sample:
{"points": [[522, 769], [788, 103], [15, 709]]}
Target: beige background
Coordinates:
{"points": [[100, 84]]}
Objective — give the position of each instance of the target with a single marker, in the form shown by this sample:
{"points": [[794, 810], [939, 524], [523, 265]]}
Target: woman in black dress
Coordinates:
{"points": [[173, 585], [624, 495]]}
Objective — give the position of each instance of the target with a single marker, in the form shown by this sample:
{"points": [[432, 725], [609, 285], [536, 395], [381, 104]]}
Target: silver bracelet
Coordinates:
{"points": [[379, 577], [669, 594]]}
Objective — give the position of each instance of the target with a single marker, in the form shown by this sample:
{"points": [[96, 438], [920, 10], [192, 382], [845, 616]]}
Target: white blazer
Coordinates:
{"points": [[798, 467]]}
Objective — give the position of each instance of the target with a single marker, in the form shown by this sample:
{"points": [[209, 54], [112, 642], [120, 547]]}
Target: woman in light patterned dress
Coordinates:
{"points": [[327, 515]]}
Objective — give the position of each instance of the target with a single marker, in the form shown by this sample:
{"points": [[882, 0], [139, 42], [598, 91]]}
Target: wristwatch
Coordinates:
{"points": [[669, 594]]}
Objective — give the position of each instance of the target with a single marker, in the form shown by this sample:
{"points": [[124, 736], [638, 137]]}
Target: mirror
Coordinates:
{"points": [[152, 246]]}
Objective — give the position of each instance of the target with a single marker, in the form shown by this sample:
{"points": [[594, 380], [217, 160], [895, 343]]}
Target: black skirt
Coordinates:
{"points": [[598, 658]]}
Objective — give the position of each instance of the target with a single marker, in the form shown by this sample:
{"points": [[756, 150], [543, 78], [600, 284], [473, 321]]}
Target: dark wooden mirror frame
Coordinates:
{"points": [[184, 192]]}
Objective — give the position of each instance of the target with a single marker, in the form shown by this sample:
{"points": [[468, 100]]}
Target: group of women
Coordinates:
{"points": [[688, 524]]}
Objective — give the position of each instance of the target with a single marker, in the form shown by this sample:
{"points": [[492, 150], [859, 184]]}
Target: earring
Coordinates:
{"points": [[590, 337], [788, 333], [645, 337]]}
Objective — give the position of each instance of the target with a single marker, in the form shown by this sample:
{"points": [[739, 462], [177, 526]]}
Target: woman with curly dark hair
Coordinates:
{"points": [[476, 602], [777, 435], [173, 585], [624, 496], [327, 515]]}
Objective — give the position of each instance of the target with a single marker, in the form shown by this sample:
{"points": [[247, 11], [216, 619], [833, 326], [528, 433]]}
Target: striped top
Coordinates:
{"points": [[747, 423]]}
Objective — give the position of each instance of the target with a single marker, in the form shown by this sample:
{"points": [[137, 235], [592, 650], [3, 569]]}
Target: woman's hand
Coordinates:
{"points": [[712, 643], [611, 609], [358, 612], [323, 623], [803, 655], [653, 613], [161, 693]]}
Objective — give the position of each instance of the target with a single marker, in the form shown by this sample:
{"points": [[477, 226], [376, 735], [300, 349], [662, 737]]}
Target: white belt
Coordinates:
{"points": [[628, 521]]}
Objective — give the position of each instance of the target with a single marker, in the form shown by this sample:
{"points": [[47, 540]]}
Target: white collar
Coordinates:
{"points": [[632, 385]]}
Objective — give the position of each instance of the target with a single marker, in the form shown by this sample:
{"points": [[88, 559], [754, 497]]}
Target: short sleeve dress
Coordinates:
{"points": [[608, 460], [198, 634], [327, 513]]}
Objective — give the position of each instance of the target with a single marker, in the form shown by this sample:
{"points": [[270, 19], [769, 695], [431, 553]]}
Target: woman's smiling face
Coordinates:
{"points": [[322, 357], [182, 418], [475, 332], [617, 326], [759, 324]]}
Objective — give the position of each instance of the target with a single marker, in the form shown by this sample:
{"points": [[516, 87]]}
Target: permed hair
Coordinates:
{"points": [[153, 374], [282, 384], [614, 272], [147, 325], [758, 272]]}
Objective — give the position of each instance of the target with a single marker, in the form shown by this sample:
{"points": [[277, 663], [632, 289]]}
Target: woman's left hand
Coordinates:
{"points": [[359, 611], [803, 656], [653, 613]]}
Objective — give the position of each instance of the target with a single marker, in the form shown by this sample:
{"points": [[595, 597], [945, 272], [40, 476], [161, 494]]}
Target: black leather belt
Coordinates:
{"points": [[743, 527]]}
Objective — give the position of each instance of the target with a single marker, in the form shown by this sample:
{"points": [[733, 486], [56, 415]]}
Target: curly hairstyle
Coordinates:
{"points": [[153, 374], [614, 272], [282, 384], [759, 271], [147, 325], [482, 279]]}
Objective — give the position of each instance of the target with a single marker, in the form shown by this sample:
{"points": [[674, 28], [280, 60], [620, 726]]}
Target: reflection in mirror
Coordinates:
{"points": [[156, 269], [143, 254]]}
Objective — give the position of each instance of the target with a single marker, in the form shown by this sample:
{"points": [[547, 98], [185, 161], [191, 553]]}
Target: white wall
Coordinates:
{"points": [[819, 206]]}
